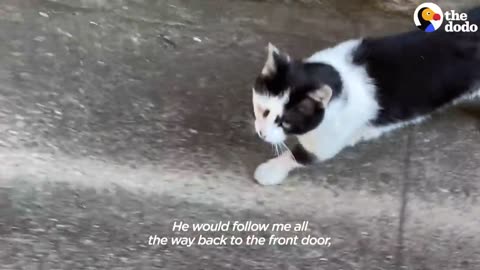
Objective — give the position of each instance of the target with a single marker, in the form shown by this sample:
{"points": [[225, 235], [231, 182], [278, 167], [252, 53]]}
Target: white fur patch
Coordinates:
{"points": [[275, 170], [347, 114], [371, 132], [266, 127], [472, 95]]}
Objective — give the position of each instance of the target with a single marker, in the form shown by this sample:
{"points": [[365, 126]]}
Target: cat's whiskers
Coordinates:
{"points": [[288, 150], [277, 151]]}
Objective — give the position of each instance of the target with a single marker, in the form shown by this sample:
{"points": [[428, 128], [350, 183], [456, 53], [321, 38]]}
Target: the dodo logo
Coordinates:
{"points": [[428, 17]]}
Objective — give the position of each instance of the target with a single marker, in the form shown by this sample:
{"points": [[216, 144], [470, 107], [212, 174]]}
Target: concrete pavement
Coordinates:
{"points": [[119, 117]]}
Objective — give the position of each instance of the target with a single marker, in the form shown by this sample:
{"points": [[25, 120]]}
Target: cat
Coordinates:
{"points": [[358, 90]]}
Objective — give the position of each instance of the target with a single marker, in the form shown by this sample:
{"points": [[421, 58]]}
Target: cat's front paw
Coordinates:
{"points": [[270, 173]]}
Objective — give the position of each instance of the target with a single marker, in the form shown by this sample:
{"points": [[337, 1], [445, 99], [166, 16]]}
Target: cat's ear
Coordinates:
{"points": [[322, 95], [275, 60]]}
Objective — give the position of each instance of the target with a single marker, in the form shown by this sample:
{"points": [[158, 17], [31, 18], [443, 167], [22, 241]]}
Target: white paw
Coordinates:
{"points": [[270, 173]]}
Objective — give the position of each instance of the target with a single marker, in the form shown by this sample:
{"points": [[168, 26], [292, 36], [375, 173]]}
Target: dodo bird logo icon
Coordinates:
{"points": [[428, 17]]}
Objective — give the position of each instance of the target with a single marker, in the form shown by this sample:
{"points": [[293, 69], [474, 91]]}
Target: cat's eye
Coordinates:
{"points": [[266, 113]]}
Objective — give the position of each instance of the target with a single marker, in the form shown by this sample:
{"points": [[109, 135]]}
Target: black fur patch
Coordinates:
{"points": [[301, 113], [416, 73], [302, 156]]}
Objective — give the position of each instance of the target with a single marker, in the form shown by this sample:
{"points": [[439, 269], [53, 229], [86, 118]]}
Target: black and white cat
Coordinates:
{"points": [[359, 90]]}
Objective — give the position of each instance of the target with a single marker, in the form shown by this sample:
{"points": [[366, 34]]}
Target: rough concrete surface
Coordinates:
{"points": [[119, 117]]}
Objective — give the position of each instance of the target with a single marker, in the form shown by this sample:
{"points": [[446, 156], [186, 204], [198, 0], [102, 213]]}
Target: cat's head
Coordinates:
{"points": [[290, 97]]}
